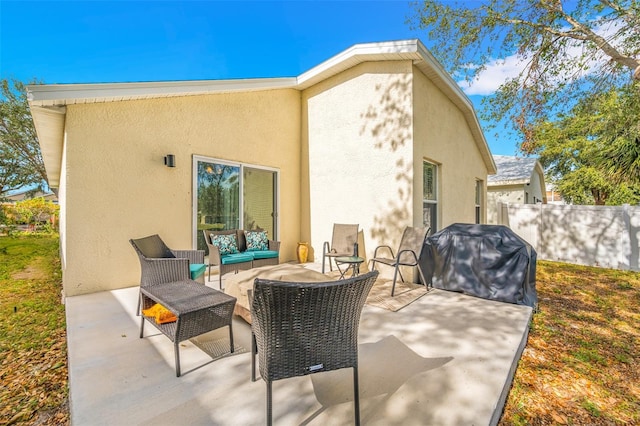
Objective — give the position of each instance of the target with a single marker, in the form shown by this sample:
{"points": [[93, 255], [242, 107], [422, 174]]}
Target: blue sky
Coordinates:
{"points": [[125, 41]]}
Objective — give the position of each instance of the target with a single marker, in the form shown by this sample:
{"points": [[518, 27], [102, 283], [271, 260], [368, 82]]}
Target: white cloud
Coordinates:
{"points": [[498, 71]]}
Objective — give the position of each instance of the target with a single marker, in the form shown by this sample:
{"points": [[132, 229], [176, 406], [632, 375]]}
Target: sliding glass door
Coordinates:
{"points": [[233, 195], [259, 200]]}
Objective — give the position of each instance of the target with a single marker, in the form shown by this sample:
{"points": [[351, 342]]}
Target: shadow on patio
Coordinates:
{"points": [[445, 359]]}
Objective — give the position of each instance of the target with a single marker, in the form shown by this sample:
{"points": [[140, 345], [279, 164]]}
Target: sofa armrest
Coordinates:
{"points": [[215, 258], [274, 245]]}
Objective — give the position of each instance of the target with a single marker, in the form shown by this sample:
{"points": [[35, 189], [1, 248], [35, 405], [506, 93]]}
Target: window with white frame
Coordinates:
{"points": [[478, 201], [430, 196]]}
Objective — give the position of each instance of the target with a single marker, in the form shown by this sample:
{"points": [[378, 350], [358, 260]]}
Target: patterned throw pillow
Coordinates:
{"points": [[226, 243], [257, 240]]}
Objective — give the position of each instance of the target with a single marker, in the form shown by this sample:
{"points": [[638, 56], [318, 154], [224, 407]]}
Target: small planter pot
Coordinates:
{"points": [[302, 252]]}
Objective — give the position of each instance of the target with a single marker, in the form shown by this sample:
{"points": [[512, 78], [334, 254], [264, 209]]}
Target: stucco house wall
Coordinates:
{"points": [[118, 188], [354, 164], [503, 194], [384, 150], [347, 138], [443, 137], [536, 190]]}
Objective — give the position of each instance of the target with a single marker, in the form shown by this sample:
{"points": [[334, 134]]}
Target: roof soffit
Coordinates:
{"points": [[50, 125]]}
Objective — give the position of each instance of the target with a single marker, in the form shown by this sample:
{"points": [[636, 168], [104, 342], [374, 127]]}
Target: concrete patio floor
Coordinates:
{"points": [[445, 359]]}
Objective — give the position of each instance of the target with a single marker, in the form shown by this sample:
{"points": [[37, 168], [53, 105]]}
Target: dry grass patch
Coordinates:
{"points": [[581, 363], [33, 349]]}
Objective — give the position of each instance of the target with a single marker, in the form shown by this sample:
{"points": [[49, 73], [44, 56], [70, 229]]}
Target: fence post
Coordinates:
{"points": [[626, 257]]}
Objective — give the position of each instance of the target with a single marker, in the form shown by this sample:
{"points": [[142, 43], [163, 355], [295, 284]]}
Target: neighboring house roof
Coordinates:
{"points": [[513, 170], [27, 195], [48, 102]]}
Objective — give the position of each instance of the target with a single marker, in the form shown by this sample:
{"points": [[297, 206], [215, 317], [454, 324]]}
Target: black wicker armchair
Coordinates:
{"points": [[305, 328], [159, 264]]}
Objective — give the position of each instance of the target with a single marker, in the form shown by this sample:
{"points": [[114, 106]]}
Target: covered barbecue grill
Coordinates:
{"points": [[488, 261]]}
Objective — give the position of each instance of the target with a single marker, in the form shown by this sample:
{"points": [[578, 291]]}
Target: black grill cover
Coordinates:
{"points": [[488, 261]]}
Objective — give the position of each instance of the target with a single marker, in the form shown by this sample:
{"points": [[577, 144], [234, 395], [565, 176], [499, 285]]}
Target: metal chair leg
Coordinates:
{"points": [[356, 395], [269, 401], [254, 351], [426, 285], [176, 346], [395, 275], [141, 326]]}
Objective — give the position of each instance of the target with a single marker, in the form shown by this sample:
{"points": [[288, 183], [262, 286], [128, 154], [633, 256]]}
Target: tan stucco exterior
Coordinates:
{"points": [[117, 186], [360, 156], [443, 137], [348, 142]]}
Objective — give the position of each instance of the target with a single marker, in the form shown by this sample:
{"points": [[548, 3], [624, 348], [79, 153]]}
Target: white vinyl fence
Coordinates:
{"points": [[607, 236]]}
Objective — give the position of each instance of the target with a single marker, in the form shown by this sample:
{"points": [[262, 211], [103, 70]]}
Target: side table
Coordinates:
{"points": [[352, 262], [199, 309]]}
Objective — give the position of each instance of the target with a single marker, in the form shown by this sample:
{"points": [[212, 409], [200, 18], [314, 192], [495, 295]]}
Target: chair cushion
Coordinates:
{"points": [[226, 243], [196, 269], [264, 254], [236, 258], [257, 240]]}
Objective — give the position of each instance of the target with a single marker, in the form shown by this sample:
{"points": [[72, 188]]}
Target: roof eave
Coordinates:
{"points": [[514, 182], [49, 123], [68, 94], [44, 98]]}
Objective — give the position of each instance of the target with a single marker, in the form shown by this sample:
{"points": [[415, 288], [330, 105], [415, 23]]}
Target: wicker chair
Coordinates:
{"points": [[305, 328], [408, 254], [343, 243], [159, 264]]}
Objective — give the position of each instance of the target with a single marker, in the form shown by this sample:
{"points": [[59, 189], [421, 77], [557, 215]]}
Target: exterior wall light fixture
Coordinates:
{"points": [[170, 160]]}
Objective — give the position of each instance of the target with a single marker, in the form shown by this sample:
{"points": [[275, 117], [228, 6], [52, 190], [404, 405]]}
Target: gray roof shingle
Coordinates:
{"points": [[512, 169]]}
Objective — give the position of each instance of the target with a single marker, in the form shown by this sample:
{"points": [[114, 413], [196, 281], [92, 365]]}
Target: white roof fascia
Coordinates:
{"points": [[357, 54], [508, 182], [68, 94]]}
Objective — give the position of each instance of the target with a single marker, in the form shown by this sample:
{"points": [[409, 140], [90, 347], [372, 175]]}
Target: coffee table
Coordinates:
{"points": [[352, 262], [240, 285], [199, 309]]}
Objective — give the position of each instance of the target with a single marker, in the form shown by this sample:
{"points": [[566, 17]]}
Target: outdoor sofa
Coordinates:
{"points": [[239, 250]]}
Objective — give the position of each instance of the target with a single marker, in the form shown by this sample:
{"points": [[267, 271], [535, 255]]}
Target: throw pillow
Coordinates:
{"points": [[161, 314], [225, 243], [257, 240]]}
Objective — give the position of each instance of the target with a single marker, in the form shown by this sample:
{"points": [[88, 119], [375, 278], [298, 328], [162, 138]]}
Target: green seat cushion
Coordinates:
{"points": [[264, 254], [196, 269], [229, 259]]}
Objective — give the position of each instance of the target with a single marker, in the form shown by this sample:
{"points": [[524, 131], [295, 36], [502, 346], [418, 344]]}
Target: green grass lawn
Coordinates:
{"points": [[33, 349], [580, 366]]}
